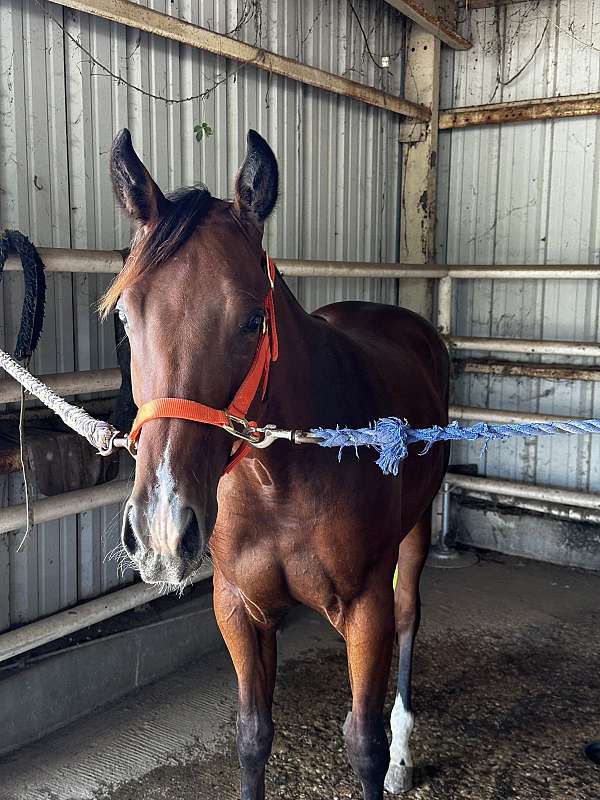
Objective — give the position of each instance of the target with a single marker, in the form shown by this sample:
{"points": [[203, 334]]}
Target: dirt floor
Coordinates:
{"points": [[507, 692]]}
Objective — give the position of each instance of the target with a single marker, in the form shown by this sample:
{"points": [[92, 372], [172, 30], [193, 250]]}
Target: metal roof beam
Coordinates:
{"points": [[576, 105]]}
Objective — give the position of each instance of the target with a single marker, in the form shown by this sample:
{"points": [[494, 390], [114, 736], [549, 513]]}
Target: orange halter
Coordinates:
{"points": [[233, 418]]}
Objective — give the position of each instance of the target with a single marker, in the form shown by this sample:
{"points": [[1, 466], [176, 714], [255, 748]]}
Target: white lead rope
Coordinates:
{"points": [[100, 434]]}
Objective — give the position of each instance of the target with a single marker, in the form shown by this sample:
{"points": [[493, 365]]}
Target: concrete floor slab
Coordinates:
{"points": [[507, 692]]}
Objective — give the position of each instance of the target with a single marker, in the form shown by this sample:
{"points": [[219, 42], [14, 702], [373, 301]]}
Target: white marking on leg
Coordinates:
{"points": [[402, 723], [399, 775]]}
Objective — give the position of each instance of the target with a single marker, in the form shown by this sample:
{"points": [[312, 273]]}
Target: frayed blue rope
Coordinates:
{"points": [[391, 436]]}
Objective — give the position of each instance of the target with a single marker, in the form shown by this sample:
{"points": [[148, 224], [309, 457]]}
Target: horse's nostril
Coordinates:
{"points": [[190, 539], [130, 541]]}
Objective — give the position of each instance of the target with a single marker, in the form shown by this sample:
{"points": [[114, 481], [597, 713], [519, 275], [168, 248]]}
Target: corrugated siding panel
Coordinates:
{"points": [[526, 194], [59, 111]]}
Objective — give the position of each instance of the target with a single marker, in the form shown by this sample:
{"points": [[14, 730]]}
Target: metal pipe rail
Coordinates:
{"points": [[530, 491], [62, 505], [529, 346], [35, 634], [67, 383], [536, 506], [500, 416], [60, 259]]}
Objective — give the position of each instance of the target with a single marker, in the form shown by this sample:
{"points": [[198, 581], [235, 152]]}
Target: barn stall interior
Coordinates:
{"points": [[438, 156]]}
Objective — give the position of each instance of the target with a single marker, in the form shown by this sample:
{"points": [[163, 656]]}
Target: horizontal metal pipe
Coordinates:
{"points": [[477, 414], [549, 494], [67, 383], [525, 272], [57, 259], [351, 269], [62, 505], [63, 259], [98, 407], [517, 369], [537, 506], [532, 346], [36, 634]]}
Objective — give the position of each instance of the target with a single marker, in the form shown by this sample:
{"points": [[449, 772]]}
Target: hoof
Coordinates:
{"points": [[399, 779]]}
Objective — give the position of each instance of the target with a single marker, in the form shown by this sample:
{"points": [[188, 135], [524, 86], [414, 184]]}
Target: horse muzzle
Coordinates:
{"points": [[166, 544]]}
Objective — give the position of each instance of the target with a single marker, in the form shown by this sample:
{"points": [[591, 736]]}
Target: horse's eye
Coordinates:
{"points": [[254, 323]]}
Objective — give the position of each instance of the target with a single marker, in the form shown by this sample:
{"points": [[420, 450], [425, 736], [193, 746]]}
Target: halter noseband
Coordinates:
{"points": [[233, 418]]}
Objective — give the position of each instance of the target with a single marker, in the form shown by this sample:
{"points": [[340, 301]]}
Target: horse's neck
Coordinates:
{"points": [[305, 380]]}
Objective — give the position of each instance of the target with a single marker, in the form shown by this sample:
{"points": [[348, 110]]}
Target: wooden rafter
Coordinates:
{"points": [[146, 19], [428, 16]]}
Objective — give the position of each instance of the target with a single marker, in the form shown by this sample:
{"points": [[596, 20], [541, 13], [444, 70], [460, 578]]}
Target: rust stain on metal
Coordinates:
{"points": [[505, 369], [10, 461], [521, 111], [477, 4]]}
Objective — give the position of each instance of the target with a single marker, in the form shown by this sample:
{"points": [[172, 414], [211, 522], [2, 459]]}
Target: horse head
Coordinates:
{"points": [[192, 298]]}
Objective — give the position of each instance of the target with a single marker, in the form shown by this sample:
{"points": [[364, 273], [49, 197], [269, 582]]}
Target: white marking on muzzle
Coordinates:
{"points": [[164, 509]]}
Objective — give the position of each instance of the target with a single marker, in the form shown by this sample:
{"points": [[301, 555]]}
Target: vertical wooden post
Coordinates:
{"points": [[419, 184], [419, 167]]}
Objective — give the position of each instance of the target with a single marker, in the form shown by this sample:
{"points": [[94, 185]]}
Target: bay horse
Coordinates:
{"points": [[289, 524]]}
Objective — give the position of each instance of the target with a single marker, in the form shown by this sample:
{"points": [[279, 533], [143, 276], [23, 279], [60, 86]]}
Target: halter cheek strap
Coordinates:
{"points": [[233, 418]]}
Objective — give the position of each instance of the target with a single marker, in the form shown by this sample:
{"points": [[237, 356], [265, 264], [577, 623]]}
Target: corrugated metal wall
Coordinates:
{"points": [[59, 110], [526, 194]]}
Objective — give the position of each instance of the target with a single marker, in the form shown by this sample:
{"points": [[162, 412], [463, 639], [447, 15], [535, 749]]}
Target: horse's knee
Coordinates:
{"points": [[406, 611], [254, 739], [367, 745]]}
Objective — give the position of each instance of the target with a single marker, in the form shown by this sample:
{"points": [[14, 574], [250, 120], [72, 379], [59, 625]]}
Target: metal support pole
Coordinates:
{"points": [[440, 554], [444, 306]]}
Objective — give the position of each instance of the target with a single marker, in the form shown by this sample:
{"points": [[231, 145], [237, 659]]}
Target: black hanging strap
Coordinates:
{"points": [[32, 315]]}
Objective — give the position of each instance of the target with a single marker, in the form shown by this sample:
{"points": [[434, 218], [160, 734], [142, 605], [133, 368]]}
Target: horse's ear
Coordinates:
{"points": [[133, 186], [257, 181]]}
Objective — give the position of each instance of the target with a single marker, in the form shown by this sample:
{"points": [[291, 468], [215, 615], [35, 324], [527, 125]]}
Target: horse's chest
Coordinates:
{"points": [[303, 540], [273, 572], [268, 586]]}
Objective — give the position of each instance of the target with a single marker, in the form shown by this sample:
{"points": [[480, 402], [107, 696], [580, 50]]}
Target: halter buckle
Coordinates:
{"points": [[254, 436], [242, 429]]}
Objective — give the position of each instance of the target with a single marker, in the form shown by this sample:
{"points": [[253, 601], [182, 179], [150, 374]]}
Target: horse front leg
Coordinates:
{"points": [[369, 633], [253, 651]]}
